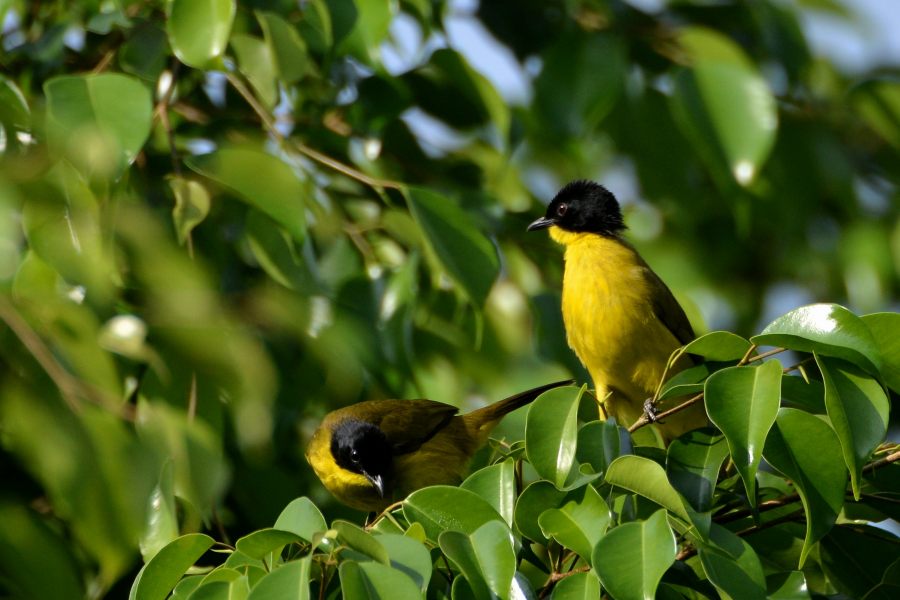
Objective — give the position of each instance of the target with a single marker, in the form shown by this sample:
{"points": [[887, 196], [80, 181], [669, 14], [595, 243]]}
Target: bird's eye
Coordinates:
{"points": [[354, 455], [561, 209]]}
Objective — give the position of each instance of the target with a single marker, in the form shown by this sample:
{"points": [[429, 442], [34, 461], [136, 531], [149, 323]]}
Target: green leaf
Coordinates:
{"points": [[158, 577], [743, 403], [859, 560], [370, 23], [807, 451], [145, 52], [445, 508], [409, 556], [578, 523], [885, 328], [727, 111], [290, 581], [467, 255], [732, 565], [286, 47], [858, 409], [259, 179], [162, 520], [791, 585], [37, 561], [14, 112], [315, 26], [878, 103], [829, 329], [580, 586], [486, 558], [692, 464], [702, 44], [199, 29], [551, 433], [631, 559], [101, 121], [497, 485], [600, 443], [374, 581], [532, 502], [191, 205], [301, 517], [263, 541], [258, 66], [645, 477], [358, 540], [719, 346]]}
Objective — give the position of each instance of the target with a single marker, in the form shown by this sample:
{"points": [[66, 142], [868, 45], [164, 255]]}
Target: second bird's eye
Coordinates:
{"points": [[561, 209]]}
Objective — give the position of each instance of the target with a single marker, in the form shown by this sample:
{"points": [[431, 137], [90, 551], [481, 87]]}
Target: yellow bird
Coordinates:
{"points": [[621, 319], [370, 454]]}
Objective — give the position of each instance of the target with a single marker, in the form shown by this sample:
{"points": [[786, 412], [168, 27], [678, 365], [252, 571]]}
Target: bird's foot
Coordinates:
{"points": [[650, 411]]}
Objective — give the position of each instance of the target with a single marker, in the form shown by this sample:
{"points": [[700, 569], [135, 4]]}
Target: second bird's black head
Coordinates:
{"points": [[362, 448], [583, 207]]}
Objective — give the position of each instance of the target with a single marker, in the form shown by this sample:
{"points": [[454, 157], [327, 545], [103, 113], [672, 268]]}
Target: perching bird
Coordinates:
{"points": [[373, 453], [621, 319]]}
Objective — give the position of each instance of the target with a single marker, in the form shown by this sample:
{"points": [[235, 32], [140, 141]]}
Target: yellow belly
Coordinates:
{"points": [[613, 328]]}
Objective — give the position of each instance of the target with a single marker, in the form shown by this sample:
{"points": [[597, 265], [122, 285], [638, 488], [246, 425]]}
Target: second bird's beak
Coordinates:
{"points": [[541, 223], [378, 482]]}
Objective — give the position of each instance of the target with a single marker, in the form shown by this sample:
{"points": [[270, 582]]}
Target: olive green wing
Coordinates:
{"points": [[411, 423], [667, 310]]}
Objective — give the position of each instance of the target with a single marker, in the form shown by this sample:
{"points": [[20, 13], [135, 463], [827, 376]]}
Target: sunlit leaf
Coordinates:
{"points": [[258, 65], [743, 403], [885, 328], [692, 464], [579, 522], [410, 556], [286, 46], [301, 517], [551, 432], [199, 29], [485, 557], [374, 581], [445, 508], [580, 586], [157, 578], [719, 346], [288, 582], [497, 485], [806, 450], [645, 477], [358, 540], [191, 205]]}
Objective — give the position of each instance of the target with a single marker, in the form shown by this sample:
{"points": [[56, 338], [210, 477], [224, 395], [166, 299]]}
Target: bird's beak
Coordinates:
{"points": [[541, 223], [378, 482]]}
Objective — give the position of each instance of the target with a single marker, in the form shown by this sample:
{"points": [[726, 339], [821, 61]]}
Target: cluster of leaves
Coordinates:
{"points": [[220, 220], [578, 507]]}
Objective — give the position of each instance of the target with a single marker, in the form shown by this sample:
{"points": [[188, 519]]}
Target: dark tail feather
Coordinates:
{"points": [[496, 411]]}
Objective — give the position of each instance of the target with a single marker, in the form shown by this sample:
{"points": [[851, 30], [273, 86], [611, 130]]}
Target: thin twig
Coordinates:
{"points": [[269, 123], [556, 577], [643, 420], [890, 458], [761, 507]]}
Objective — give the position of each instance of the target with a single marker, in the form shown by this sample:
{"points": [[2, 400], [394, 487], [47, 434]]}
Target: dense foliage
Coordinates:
{"points": [[221, 220]]}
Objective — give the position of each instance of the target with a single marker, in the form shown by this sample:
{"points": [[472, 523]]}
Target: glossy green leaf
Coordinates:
{"points": [[158, 577], [791, 585], [692, 464], [645, 477], [290, 581], [256, 62], [885, 328], [600, 443], [199, 29], [191, 205], [551, 433], [808, 394], [631, 559], [301, 517], [374, 581], [370, 23], [445, 508], [315, 26], [101, 121], [468, 256], [486, 558], [15, 115], [162, 519], [732, 566], [729, 114], [263, 541], [531, 503], [807, 451], [743, 403], [409, 556], [579, 522], [828, 329], [497, 485], [286, 47], [357, 539], [858, 409], [259, 179], [719, 346], [580, 586]]}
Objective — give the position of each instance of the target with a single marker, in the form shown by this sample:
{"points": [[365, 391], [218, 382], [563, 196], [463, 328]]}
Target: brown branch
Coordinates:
{"points": [[761, 507], [556, 577], [269, 123], [890, 458], [644, 420]]}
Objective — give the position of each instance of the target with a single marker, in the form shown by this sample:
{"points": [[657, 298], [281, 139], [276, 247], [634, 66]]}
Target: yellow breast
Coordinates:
{"points": [[350, 488]]}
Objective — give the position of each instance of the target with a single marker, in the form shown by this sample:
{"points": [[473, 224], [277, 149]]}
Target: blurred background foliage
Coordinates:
{"points": [[221, 220]]}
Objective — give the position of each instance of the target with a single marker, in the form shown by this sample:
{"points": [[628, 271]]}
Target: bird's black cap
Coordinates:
{"points": [[583, 206], [362, 447]]}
